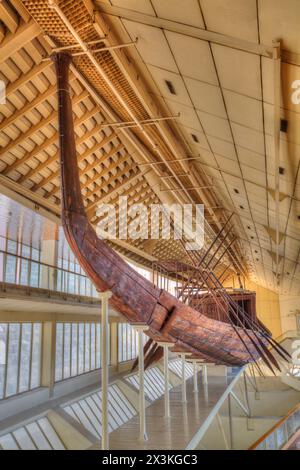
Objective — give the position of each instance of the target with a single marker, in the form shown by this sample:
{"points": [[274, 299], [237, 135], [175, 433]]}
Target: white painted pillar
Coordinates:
{"points": [[142, 406], [166, 347], [182, 355], [183, 378], [204, 370], [166, 371], [195, 370], [104, 296]]}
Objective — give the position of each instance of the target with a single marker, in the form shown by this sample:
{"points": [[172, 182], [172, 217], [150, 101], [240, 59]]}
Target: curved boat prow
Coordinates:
{"points": [[137, 299]]}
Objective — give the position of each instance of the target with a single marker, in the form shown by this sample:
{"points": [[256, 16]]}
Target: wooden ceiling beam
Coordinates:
{"points": [[25, 33], [23, 12], [26, 77], [132, 176], [120, 174], [81, 157], [106, 156], [47, 142], [55, 157], [29, 106], [104, 172], [135, 177], [40, 125], [8, 16]]}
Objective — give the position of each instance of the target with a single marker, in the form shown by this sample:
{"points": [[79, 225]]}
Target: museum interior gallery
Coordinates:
{"points": [[149, 225]]}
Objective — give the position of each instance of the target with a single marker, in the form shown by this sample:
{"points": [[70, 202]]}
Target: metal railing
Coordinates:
{"points": [[279, 435], [20, 270]]}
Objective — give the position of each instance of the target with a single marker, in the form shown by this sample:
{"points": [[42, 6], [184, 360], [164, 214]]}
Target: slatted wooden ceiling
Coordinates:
{"points": [[219, 100], [28, 128]]}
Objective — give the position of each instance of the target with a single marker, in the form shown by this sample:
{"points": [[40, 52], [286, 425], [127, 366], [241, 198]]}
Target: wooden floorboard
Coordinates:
{"points": [[177, 431]]}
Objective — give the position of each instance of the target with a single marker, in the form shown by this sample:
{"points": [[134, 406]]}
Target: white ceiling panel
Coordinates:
{"points": [[189, 13], [215, 126], [248, 138], [228, 165], [231, 17], [221, 147], [253, 175], [207, 157], [142, 6], [251, 159], [244, 110], [206, 97], [188, 116], [234, 68], [280, 19], [151, 40], [160, 76], [196, 147], [193, 57]]}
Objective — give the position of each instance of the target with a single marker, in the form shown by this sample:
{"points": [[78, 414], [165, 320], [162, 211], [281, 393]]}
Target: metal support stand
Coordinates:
{"points": [[142, 407], [104, 296]]}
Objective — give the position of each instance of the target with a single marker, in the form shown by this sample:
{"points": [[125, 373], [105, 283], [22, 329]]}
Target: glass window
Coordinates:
{"points": [[78, 349], [58, 352], [25, 357], [20, 357], [127, 342]]}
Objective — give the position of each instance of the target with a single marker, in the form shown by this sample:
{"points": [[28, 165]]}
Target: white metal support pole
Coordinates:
{"points": [[166, 346], [204, 370], [142, 406], [166, 372], [104, 296], [195, 370], [230, 421], [183, 385], [183, 355]]}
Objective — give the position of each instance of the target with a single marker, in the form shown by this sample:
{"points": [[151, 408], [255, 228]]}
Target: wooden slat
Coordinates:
{"points": [[53, 158], [92, 192], [25, 33], [26, 77], [131, 177], [23, 12], [40, 125], [8, 16], [81, 157]]}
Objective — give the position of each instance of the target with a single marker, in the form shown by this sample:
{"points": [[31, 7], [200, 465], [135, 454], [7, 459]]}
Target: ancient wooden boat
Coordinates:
{"points": [[233, 343]]}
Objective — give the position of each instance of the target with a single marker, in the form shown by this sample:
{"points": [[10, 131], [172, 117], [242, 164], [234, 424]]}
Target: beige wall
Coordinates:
{"points": [[289, 305], [267, 307]]}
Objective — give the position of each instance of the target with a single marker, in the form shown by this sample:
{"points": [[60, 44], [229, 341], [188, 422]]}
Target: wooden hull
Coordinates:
{"points": [[137, 299]]}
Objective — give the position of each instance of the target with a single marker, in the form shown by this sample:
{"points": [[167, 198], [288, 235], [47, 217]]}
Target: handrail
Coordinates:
{"points": [[51, 277], [41, 263], [276, 426]]}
